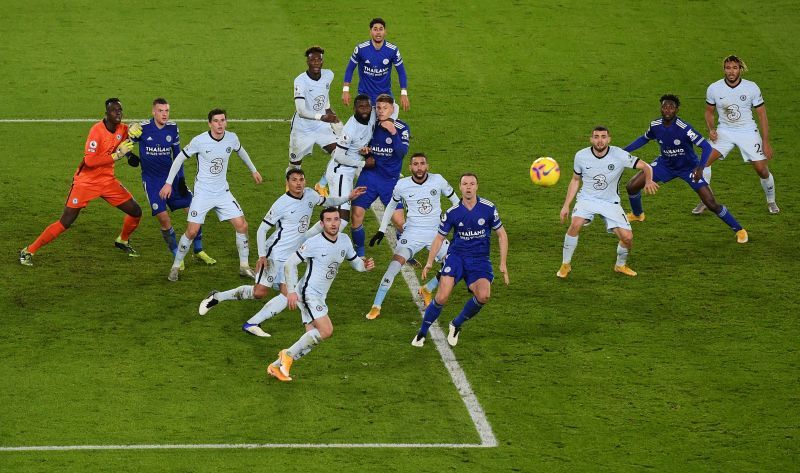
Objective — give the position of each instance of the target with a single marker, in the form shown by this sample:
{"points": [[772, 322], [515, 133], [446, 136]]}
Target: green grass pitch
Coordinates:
{"points": [[691, 366]]}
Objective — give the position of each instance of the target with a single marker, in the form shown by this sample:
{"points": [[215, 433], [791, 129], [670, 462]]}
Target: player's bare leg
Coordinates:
{"points": [[708, 200], [623, 248], [634, 189]]}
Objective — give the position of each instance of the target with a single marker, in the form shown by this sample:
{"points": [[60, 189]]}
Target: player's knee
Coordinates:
{"points": [[260, 292], [482, 297], [626, 240], [136, 211], [326, 332]]}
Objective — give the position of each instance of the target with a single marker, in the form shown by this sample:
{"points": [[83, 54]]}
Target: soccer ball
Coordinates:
{"points": [[545, 172]]}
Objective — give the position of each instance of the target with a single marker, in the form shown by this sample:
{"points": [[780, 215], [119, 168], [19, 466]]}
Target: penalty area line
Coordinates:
{"points": [[234, 446], [457, 374]]}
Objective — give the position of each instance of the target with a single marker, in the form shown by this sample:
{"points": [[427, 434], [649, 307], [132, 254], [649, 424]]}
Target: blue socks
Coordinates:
{"points": [[471, 308], [359, 236], [636, 203], [729, 219], [431, 314], [170, 239]]}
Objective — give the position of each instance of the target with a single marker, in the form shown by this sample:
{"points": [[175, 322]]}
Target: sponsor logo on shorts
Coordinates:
{"points": [[446, 269], [194, 213], [319, 308], [75, 201]]}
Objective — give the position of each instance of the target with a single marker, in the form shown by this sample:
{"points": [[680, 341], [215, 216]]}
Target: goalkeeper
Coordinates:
{"points": [[106, 144], [159, 143]]}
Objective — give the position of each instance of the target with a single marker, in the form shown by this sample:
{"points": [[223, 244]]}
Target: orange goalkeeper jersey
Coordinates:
{"points": [[98, 165]]}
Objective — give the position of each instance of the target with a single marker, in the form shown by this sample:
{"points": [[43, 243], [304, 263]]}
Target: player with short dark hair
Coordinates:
{"points": [[676, 140], [159, 142], [106, 144], [374, 60], [472, 222]]}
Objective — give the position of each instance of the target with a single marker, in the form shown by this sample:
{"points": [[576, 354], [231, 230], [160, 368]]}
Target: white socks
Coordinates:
{"points": [[622, 255], [768, 185], [243, 248], [183, 247], [570, 243], [270, 309]]}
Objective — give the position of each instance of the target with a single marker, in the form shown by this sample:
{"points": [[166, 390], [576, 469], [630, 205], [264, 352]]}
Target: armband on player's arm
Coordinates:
{"points": [[176, 166], [246, 159]]}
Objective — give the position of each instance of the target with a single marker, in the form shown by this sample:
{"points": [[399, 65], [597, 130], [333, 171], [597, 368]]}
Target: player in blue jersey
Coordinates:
{"points": [[472, 222], [677, 139], [374, 60], [159, 143], [387, 148]]}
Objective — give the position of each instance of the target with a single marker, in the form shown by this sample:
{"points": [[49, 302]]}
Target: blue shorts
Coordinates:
{"points": [[663, 173], [377, 187], [181, 197], [468, 268]]}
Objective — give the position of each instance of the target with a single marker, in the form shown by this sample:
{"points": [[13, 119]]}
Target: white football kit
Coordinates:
{"points": [[211, 189], [307, 129], [599, 193], [290, 217], [736, 125], [346, 161], [322, 257], [423, 213]]}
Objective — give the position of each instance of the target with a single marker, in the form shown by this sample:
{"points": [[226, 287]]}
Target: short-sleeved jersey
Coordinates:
{"points": [[601, 174], [735, 104], [389, 150], [677, 142], [97, 165], [472, 228], [422, 200], [323, 257], [315, 93], [212, 160], [375, 67], [355, 135], [157, 147], [290, 216]]}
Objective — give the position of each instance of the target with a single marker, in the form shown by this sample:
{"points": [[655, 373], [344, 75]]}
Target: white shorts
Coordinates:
{"points": [[302, 141], [748, 142], [411, 244], [311, 307], [340, 181], [225, 204], [611, 212], [271, 276]]}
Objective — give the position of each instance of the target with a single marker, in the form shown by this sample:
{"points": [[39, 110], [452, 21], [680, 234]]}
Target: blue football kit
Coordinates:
{"points": [[374, 69]]}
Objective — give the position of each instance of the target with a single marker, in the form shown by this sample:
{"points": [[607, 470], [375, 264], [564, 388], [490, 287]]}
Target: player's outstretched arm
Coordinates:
{"points": [[502, 238], [650, 186]]}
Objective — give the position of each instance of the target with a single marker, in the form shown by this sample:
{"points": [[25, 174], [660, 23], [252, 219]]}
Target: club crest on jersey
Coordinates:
{"points": [[481, 221], [742, 98], [403, 241], [433, 192], [677, 141], [388, 141], [92, 144], [228, 149], [385, 61], [610, 167], [169, 139], [311, 205], [119, 137], [342, 253]]}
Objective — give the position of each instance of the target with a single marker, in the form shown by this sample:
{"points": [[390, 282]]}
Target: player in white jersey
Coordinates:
{"points": [[314, 122], [289, 218], [322, 254], [348, 157], [211, 189], [421, 194], [600, 168], [734, 100]]}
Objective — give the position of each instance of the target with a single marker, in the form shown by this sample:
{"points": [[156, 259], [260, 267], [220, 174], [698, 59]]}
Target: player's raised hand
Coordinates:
{"points": [[291, 300], [376, 239], [262, 263], [650, 186], [165, 191], [360, 190], [369, 264], [124, 148], [135, 130], [257, 177]]}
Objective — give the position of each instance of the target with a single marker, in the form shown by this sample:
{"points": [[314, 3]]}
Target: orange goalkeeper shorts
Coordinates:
{"points": [[112, 191]]}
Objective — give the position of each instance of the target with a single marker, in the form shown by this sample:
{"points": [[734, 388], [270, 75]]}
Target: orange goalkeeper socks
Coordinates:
{"points": [[49, 234], [128, 226]]}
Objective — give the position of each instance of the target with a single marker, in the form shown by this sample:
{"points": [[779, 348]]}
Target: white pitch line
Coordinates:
{"points": [[448, 357], [180, 120], [235, 446]]}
